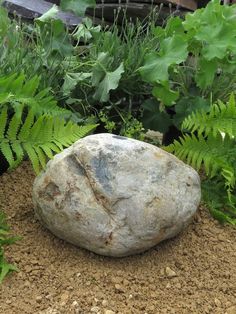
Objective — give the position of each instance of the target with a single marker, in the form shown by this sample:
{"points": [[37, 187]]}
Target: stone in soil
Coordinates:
{"points": [[200, 265], [116, 196]]}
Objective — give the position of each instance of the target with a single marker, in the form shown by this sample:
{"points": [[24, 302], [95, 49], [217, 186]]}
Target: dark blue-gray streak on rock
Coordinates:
{"points": [[119, 137], [100, 166]]}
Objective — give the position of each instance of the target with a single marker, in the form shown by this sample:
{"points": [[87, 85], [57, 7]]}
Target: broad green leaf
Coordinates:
{"points": [[100, 68], [173, 50], [77, 6], [215, 28], [153, 118], [159, 32], [55, 38], [217, 39], [109, 82], [72, 79], [50, 14], [174, 26], [206, 72], [187, 105], [165, 94], [86, 30]]}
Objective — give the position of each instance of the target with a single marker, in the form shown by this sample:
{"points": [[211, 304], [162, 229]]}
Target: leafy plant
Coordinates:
{"points": [[5, 239], [103, 73], [31, 123], [211, 144], [34, 49], [194, 65]]}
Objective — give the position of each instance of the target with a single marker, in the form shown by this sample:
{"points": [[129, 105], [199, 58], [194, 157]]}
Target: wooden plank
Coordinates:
{"points": [[31, 9], [132, 10], [188, 4]]}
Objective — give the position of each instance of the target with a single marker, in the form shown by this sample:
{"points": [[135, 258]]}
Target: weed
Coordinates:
{"points": [[5, 239]]}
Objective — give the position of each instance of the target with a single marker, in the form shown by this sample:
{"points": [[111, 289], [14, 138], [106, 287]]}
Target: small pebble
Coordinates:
{"points": [[104, 303], [95, 309], [49, 297], [178, 286], [8, 301], [217, 302], [125, 282], [75, 304], [39, 299], [65, 297], [151, 308], [109, 312], [170, 273], [27, 284], [221, 238], [119, 288]]}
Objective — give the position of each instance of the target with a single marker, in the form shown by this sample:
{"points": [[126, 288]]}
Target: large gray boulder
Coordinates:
{"points": [[115, 196]]}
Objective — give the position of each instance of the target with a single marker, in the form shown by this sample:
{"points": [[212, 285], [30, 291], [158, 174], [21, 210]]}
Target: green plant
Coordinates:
{"points": [[103, 73], [31, 123], [5, 239], [194, 65], [211, 144], [36, 49]]}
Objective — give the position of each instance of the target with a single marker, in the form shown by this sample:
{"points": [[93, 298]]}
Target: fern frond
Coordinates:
{"points": [[39, 138], [3, 122], [18, 93], [213, 153], [217, 155], [5, 148], [213, 148], [220, 119]]}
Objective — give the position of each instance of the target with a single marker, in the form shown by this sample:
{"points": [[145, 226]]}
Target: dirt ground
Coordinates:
{"points": [[192, 273]]}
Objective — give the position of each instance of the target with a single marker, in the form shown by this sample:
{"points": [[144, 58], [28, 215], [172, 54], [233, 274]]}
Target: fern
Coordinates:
{"points": [[198, 151], [17, 92], [211, 144], [39, 138], [5, 239], [32, 124], [220, 119]]}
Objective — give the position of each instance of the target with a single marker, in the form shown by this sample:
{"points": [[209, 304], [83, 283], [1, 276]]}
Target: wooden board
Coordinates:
{"points": [[31, 9], [188, 4], [132, 10]]}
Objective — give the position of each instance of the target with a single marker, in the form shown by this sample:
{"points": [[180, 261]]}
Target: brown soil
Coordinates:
{"points": [[56, 277]]}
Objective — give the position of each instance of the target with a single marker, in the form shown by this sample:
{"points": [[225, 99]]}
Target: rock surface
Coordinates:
{"points": [[115, 196]]}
